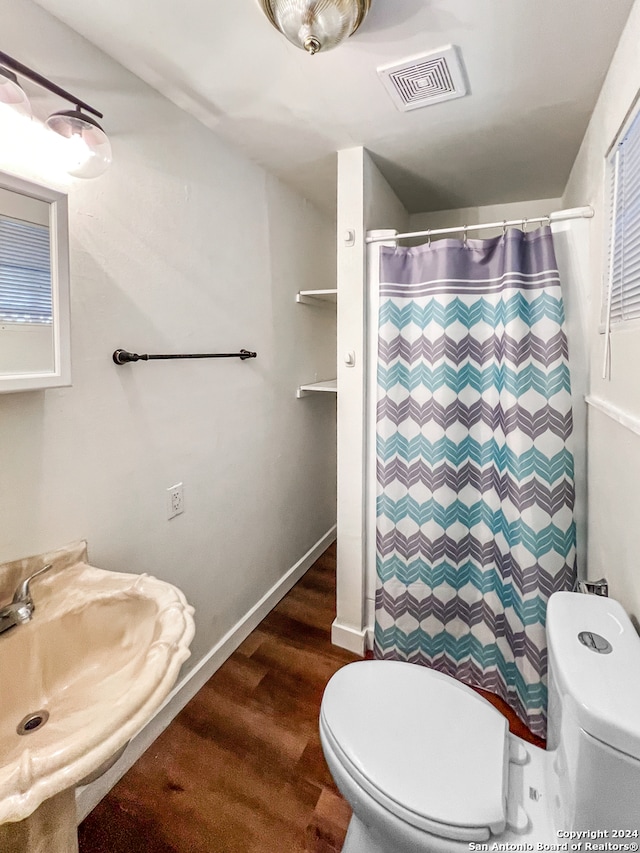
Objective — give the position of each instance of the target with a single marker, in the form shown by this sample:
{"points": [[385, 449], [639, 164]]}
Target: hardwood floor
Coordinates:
{"points": [[240, 769]]}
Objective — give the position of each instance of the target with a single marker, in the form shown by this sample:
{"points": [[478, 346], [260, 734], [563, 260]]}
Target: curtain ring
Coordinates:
{"points": [[465, 236], [429, 237], [504, 227], [548, 220], [524, 225]]}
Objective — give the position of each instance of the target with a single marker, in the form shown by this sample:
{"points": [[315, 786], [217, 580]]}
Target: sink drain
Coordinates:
{"points": [[32, 722]]}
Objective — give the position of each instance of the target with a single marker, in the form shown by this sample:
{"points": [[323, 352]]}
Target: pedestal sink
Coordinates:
{"points": [[77, 682]]}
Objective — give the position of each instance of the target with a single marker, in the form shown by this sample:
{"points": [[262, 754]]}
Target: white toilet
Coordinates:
{"points": [[427, 764]]}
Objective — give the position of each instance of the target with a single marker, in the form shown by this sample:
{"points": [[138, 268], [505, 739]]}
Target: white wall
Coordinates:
{"points": [[478, 215], [183, 246], [365, 202], [614, 451]]}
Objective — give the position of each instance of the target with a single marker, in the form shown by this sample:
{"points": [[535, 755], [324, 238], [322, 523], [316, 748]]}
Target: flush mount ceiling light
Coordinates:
{"points": [[87, 147], [315, 25]]}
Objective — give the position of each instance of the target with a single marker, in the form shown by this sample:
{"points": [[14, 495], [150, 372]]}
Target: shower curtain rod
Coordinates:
{"points": [[557, 216]]}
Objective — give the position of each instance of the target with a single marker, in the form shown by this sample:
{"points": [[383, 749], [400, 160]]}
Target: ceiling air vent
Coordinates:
{"points": [[426, 79]]}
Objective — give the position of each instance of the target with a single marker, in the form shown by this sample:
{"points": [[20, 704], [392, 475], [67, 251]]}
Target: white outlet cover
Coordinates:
{"points": [[175, 501]]}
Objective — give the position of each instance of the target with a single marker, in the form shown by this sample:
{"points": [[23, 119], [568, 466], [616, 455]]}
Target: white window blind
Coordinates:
{"points": [[624, 248], [25, 272]]}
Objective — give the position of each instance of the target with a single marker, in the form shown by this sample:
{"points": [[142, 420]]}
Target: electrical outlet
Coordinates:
{"points": [[175, 501]]}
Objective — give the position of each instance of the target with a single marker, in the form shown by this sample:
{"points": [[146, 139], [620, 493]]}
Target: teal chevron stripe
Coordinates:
{"points": [[516, 532], [457, 379], [458, 649], [491, 452], [428, 310], [486, 575], [457, 512], [421, 571]]}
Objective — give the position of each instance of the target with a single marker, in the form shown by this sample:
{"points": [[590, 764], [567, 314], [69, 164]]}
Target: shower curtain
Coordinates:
{"points": [[475, 491]]}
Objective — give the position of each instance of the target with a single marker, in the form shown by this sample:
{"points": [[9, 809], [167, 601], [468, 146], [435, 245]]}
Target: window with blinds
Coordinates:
{"points": [[25, 272], [624, 245]]}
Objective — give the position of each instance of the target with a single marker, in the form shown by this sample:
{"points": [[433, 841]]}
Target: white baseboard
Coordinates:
{"points": [[87, 798], [348, 637]]}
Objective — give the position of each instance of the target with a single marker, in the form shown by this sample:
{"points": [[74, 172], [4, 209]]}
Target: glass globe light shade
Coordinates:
{"points": [[12, 94], [88, 148], [315, 25]]}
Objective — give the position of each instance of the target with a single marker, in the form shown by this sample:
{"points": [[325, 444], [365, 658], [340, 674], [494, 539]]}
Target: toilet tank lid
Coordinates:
{"points": [[425, 741], [598, 683]]}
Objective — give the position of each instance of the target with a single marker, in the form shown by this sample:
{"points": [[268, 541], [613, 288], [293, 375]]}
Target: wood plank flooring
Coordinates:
{"points": [[240, 769]]}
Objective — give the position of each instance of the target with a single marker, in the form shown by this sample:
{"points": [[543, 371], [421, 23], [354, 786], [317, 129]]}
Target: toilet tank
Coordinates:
{"points": [[593, 713]]}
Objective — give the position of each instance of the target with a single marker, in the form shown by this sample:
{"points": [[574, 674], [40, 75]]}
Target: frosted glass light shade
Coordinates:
{"points": [[12, 94], [315, 25], [88, 149]]}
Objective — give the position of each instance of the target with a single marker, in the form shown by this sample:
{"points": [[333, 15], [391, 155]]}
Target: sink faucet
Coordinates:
{"points": [[21, 608]]}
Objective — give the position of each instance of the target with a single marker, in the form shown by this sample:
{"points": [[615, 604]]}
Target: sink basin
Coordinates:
{"points": [[95, 663]]}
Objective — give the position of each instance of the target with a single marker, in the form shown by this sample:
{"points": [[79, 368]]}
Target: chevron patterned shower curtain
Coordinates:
{"points": [[475, 498]]}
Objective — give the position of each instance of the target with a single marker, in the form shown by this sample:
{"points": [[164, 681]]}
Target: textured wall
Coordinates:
{"points": [[182, 246], [613, 451]]}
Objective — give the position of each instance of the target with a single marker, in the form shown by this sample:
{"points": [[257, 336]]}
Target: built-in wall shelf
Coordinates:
{"points": [[328, 298], [329, 385], [313, 297]]}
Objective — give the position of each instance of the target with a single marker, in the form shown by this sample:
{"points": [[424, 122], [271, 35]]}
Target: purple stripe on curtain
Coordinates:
{"points": [[518, 253]]}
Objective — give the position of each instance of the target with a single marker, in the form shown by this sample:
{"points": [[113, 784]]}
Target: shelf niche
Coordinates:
{"points": [[328, 386], [315, 297]]}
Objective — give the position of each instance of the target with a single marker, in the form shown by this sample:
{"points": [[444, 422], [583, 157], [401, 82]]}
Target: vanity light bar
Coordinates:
{"points": [[86, 150], [9, 62]]}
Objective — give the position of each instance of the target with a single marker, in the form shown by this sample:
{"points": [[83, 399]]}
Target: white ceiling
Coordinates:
{"points": [[535, 68]]}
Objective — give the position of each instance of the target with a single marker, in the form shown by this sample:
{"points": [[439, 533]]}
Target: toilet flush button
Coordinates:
{"points": [[595, 642]]}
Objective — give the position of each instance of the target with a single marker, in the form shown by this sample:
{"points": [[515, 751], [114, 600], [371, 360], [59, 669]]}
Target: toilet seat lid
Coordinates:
{"points": [[429, 748]]}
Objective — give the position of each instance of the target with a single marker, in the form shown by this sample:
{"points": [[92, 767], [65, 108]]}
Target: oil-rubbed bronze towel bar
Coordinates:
{"points": [[121, 356]]}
